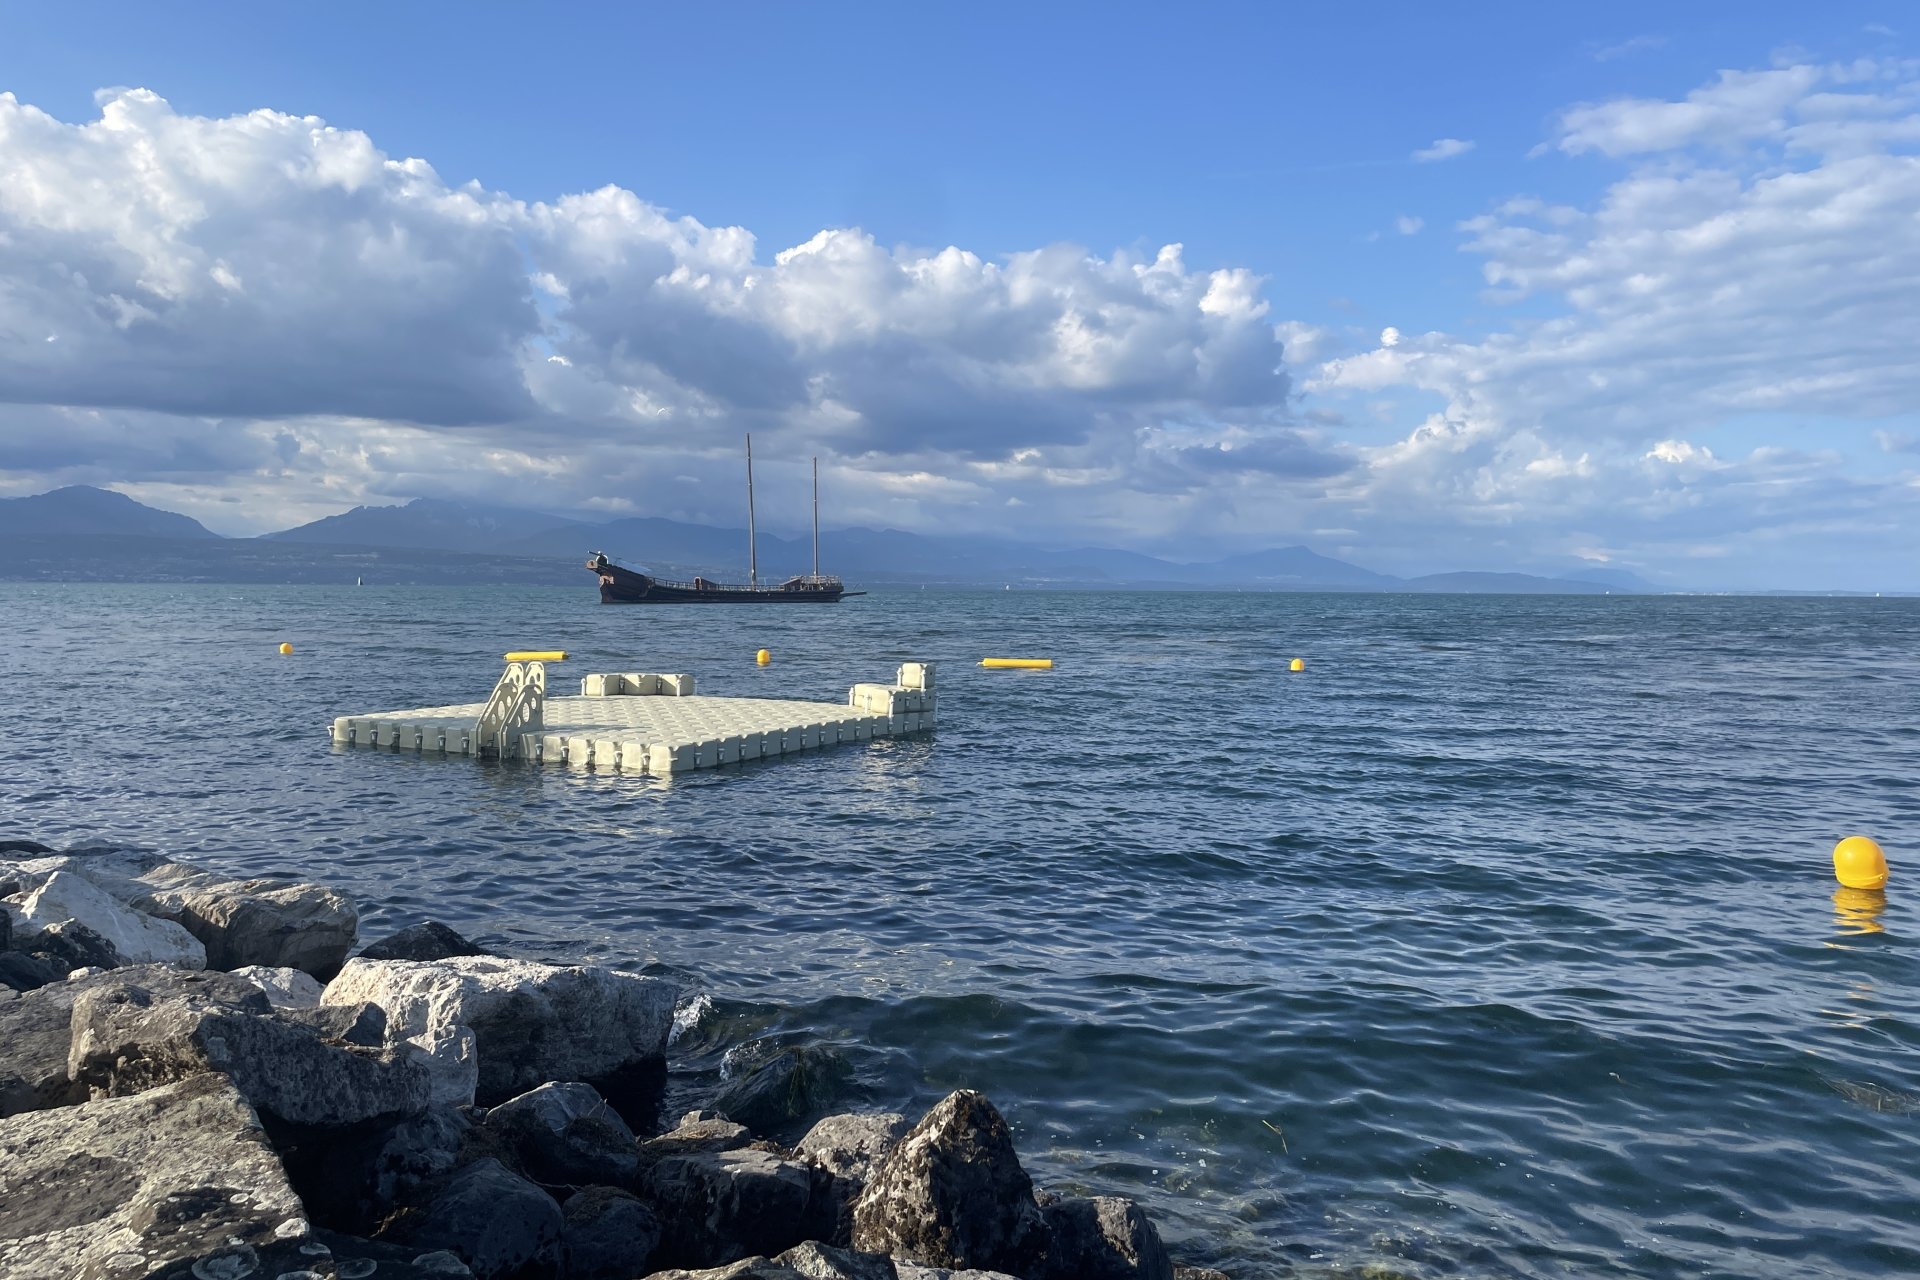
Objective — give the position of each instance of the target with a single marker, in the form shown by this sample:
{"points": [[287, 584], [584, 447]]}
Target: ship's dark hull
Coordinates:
{"points": [[624, 586]]}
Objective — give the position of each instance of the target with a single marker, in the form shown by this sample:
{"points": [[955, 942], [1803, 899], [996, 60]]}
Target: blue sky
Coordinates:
{"points": [[1275, 144]]}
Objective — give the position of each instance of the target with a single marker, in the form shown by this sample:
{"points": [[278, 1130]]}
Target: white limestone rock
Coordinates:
{"points": [[138, 938], [533, 1022], [285, 988]]}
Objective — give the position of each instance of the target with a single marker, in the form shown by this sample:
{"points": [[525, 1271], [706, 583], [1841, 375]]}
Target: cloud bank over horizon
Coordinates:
{"points": [[1705, 372]]}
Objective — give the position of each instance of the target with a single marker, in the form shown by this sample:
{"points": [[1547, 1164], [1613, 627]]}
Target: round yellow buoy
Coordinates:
{"points": [[763, 657], [285, 647], [1859, 863], [1298, 664]]}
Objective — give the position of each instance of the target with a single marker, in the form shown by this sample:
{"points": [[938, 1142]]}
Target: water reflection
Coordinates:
{"points": [[1857, 911]]}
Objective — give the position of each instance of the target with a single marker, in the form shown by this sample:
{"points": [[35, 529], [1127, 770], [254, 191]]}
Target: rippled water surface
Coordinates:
{"points": [[1502, 941]]}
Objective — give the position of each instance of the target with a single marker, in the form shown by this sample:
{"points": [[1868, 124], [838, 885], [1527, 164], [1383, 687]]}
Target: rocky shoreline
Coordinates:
{"points": [[200, 1079]]}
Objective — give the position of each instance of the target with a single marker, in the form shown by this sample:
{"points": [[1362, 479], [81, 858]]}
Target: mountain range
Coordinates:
{"points": [[432, 540]]}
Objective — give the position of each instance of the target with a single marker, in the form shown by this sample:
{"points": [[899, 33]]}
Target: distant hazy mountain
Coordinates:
{"points": [[430, 540], [81, 509], [427, 524], [1505, 584]]}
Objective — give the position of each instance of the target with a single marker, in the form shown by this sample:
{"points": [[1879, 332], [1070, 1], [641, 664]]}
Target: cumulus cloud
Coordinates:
{"points": [[1443, 149], [1407, 224], [310, 308]]}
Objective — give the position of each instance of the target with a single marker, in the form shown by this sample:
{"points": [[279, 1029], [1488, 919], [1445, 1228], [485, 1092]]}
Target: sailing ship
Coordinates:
{"points": [[620, 585]]}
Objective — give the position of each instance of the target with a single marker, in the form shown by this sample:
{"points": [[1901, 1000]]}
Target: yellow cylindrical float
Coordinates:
{"points": [[763, 657], [1023, 664], [1298, 664], [285, 648], [536, 655], [1859, 863]]}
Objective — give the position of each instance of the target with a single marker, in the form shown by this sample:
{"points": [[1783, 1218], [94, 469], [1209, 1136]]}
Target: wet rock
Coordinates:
{"points": [[824, 1262], [1199, 1273], [131, 936], [533, 1022], [953, 1194], [795, 1084], [1103, 1238], [140, 1028], [717, 1207], [429, 940], [607, 1235], [12, 848], [285, 988], [848, 1147], [494, 1220], [142, 1185], [566, 1134], [698, 1131]]}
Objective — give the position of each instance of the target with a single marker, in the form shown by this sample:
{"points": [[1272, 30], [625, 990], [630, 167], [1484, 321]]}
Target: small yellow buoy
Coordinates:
{"points": [[1859, 863], [536, 655], [1298, 664], [1023, 664], [285, 647], [763, 657]]}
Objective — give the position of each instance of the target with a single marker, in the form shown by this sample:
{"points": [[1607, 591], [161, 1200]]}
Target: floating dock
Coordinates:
{"points": [[643, 722]]}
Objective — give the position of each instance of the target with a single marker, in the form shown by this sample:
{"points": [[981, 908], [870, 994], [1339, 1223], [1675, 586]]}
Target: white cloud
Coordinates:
{"points": [[1408, 225], [1443, 149]]}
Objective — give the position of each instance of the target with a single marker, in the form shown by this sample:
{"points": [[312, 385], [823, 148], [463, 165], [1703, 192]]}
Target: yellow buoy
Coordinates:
{"points": [[536, 655], [763, 657], [285, 647], [1298, 664], [1859, 863], [1026, 664]]}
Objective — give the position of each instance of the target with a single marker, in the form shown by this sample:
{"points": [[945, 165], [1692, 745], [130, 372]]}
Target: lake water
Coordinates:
{"points": [[1501, 941]]}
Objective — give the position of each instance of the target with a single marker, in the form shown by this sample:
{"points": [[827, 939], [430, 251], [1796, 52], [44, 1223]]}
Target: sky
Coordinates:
{"points": [[1517, 287]]}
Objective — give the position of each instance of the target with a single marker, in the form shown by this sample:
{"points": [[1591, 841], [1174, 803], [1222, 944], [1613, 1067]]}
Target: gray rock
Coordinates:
{"points": [[953, 1194], [71, 945], [140, 1028], [354, 1179], [565, 1134], [745, 1269], [133, 937], [608, 1235], [13, 848], [494, 1220], [717, 1207], [1103, 1238], [140, 1186], [1199, 1273], [274, 923], [698, 1131], [824, 1262], [6, 930], [451, 1058], [34, 1042], [533, 1022], [22, 972], [285, 988], [911, 1271], [848, 1147], [429, 940], [795, 1084]]}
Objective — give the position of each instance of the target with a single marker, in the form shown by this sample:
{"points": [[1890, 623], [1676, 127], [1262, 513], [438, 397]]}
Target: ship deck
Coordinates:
{"points": [[659, 735]]}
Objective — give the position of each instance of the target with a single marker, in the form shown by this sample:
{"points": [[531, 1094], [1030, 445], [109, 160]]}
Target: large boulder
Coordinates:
{"points": [[608, 1235], [497, 1222], [717, 1207], [285, 988], [848, 1147], [793, 1084], [34, 1042], [353, 1179], [953, 1194], [175, 1177], [428, 940], [135, 938], [533, 1022], [20, 971], [565, 1134], [824, 1262], [1103, 1238], [134, 1030]]}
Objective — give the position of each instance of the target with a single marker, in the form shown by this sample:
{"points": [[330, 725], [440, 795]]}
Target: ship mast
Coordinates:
{"points": [[753, 549], [816, 517]]}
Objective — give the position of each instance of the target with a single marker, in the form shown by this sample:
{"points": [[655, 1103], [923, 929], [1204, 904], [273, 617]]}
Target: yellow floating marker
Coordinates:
{"points": [[285, 647], [1298, 664], [1026, 664], [763, 657], [536, 655], [1859, 863]]}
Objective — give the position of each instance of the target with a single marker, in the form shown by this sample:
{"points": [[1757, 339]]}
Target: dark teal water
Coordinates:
{"points": [[1502, 941]]}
